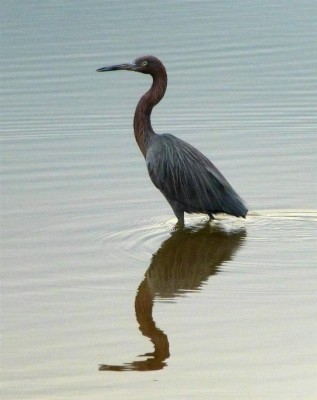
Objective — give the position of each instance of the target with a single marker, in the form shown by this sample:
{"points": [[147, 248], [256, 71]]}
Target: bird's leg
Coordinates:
{"points": [[211, 217], [178, 211], [181, 222]]}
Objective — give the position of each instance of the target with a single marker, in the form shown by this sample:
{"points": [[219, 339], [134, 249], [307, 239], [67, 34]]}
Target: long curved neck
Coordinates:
{"points": [[143, 130]]}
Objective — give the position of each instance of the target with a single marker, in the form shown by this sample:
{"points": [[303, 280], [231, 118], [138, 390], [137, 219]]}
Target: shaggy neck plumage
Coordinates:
{"points": [[143, 130]]}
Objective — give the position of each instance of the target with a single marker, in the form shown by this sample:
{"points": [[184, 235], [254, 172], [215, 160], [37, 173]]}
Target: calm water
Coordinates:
{"points": [[101, 297]]}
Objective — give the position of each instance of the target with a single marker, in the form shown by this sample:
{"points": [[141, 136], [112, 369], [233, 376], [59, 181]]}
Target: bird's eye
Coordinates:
{"points": [[144, 63]]}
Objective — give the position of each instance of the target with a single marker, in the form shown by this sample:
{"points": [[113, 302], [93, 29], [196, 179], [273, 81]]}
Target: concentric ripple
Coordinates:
{"points": [[143, 238]]}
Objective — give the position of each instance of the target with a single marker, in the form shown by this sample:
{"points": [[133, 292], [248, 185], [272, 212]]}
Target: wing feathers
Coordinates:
{"points": [[185, 175]]}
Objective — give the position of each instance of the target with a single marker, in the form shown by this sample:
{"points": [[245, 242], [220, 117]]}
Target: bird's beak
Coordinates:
{"points": [[118, 67]]}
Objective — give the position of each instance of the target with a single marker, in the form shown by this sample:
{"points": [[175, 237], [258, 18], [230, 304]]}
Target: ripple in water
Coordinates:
{"points": [[143, 238]]}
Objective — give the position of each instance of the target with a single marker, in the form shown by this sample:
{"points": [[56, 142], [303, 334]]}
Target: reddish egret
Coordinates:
{"points": [[187, 179]]}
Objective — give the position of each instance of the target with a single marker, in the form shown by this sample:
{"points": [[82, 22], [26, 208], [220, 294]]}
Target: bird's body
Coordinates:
{"points": [[187, 179], [202, 189]]}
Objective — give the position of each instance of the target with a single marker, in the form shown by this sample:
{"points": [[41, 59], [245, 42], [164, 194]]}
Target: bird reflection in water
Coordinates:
{"points": [[183, 263]]}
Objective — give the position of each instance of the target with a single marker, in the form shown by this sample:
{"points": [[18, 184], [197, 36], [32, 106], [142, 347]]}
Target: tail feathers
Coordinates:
{"points": [[232, 204]]}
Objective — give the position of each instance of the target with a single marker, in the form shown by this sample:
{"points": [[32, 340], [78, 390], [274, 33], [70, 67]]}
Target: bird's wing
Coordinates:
{"points": [[185, 175]]}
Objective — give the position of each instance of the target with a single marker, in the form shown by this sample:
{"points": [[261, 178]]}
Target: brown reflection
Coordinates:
{"points": [[183, 263]]}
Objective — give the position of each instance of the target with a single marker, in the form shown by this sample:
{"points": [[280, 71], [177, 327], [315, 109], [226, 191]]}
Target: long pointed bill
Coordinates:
{"points": [[126, 67]]}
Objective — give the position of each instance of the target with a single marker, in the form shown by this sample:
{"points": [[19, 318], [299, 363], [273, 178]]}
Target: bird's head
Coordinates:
{"points": [[146, 65]]}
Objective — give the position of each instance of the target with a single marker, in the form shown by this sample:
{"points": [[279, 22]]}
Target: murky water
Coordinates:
{"points": [[97, 285]]}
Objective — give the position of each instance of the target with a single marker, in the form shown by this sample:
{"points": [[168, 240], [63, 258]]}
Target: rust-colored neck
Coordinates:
{"points": [[143, 130]]}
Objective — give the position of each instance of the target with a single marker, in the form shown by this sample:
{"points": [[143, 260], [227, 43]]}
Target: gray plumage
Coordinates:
{"points": [[187, 179]]}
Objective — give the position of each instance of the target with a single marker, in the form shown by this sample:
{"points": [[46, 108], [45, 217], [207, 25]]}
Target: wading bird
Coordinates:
{"points": [[187, 179]]}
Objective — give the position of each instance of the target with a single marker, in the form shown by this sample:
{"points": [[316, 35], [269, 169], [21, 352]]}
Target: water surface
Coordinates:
{"points": [[101, 296]]}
